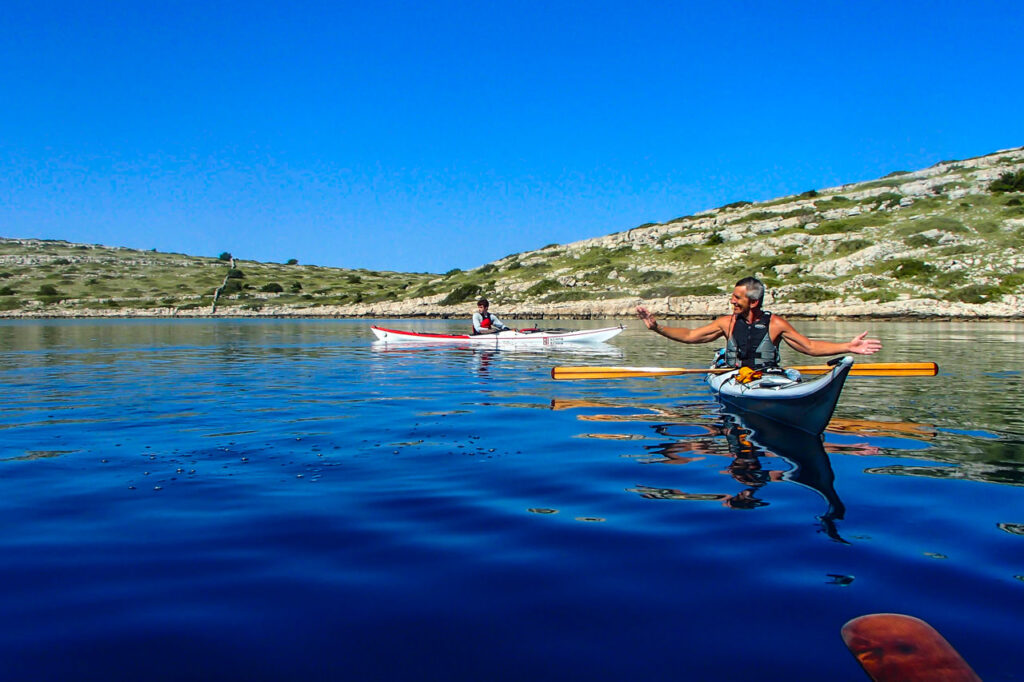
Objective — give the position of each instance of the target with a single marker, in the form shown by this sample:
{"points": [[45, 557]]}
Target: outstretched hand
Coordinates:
{"points": [[864, 346], [648, 319]]}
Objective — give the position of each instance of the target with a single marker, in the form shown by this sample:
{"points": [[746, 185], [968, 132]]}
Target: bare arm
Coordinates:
{"points": [[708, 332], [858, 345]]}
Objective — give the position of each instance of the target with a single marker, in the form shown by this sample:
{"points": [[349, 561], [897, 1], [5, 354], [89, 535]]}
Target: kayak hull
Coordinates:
{"points": [[510, 337], [806, 404]]}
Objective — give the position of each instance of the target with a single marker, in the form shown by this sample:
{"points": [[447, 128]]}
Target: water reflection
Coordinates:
{"points": [[747, 442], [694, 432]]}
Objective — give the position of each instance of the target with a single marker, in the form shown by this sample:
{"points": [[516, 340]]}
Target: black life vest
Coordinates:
{"points": [[750, 345]]}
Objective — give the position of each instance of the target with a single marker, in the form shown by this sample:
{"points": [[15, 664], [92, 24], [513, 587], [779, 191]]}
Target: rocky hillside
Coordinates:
{"points": [[945, 241]]}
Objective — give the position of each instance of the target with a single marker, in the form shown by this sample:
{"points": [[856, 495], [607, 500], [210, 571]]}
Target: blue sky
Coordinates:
{"points": [[424, 136]]}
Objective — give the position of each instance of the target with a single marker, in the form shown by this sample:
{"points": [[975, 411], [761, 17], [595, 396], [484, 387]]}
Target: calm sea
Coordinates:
{"points": [[285, 500]]}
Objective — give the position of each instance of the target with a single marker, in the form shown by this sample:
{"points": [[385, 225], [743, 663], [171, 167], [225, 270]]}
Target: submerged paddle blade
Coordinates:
{"points": [[891, 647]]}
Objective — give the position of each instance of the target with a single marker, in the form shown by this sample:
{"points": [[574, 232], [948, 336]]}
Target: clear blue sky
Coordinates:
{"points": [[423, 136]]}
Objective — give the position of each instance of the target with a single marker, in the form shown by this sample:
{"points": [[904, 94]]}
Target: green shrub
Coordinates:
{"points": [[514, 265], [1012, 281], [811, 294], [272, 288], [737, 204], [919, 240], [462, 294], [232, 286], [911, 268], [887, 197], [714, 239], [949, 278], [235, 273], [942, 223], [10, 304], [295, 287], [7, 291], [878, 296], [852, 246], [896, 174], [1013, 201], [669, 290], [987, 226], [809, 194], [62, 261], [833, 202], [48, 290], [685, 251], [1008, 182], [292, 261], [485, 269], [224, 256], [976, 293], [647, 277], [6, 275], [542, 287]]}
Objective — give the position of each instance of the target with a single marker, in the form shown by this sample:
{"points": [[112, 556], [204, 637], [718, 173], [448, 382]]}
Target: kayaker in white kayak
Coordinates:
{"points": [[753, 335], [485, 322]]}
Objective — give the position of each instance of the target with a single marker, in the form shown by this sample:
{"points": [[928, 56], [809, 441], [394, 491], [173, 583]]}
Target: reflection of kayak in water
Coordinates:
{"points": [[804, 404], [748, 439], [812, 467], [510, 337]]}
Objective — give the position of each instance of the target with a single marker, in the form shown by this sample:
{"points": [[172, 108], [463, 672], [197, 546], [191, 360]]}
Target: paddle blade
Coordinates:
{"points": [[570, 373], [891, 646], [879, 369]]}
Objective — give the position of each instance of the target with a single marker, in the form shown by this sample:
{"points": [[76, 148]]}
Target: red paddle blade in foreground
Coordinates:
{"points": [[892, 647]]}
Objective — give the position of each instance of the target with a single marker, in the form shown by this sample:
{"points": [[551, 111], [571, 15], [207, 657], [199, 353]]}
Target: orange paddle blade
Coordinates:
{"points": [[891, 646]]}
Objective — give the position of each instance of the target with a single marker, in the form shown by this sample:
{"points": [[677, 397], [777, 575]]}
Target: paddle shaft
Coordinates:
{"points": [[873, 369]]}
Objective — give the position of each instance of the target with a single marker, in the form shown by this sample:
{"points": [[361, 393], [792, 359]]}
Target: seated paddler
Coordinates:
{"points": [[485, 322], [753, 335]]}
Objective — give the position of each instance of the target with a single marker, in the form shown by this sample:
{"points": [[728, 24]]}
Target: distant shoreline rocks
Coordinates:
{"points": [[1009, 309]]}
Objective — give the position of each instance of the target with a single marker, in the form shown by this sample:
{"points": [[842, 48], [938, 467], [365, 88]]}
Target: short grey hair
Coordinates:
{"points": [[755, 288]]}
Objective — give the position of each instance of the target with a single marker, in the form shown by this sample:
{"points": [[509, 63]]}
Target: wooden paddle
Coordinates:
{"points": [[891, 647], [864, 369]]}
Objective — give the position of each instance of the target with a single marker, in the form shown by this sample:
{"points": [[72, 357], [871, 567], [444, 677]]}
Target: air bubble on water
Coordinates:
{"points": [[157, 487]]}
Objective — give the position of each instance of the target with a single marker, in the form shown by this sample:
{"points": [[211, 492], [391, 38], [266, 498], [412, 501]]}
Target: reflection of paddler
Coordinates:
{"points": [[747, 441], [891, 646]]}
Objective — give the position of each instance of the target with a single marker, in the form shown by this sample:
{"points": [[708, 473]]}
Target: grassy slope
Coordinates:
{"points": [[936, 233]]}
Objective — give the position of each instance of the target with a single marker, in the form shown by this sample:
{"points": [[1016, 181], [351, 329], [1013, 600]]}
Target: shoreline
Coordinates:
{"points": [[1009, 308]]}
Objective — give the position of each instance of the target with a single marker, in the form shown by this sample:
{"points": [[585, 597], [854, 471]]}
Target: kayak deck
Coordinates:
{"points": [[539, 337], [804, 404]]}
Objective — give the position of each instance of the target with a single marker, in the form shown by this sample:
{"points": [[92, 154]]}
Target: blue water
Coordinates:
{"points": [[278, 500]]}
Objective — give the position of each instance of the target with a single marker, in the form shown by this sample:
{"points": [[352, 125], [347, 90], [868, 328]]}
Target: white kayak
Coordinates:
{"points": [[538, 337]]}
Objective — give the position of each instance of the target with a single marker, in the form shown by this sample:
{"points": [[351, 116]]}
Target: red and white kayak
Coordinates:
{"points": [[510, 337]]}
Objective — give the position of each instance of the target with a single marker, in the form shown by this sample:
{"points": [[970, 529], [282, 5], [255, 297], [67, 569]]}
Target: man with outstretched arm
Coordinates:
{"points": [[485, 322], [753, 335]]}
